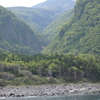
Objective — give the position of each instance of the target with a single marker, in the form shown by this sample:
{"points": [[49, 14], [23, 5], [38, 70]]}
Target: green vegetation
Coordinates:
{"points": [[38, 19], [22, 69], [41, 15], [52, 29], [73, 56], [82, 34], [17, 36]]}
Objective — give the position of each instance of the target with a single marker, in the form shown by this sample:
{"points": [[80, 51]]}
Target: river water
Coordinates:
{"points": [[68, 97]]}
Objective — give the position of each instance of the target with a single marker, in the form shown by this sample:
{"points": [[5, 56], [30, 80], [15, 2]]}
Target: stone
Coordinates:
{"points": [[12, 95]]}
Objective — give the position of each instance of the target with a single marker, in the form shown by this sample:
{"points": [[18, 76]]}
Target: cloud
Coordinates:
{"points": [[26, 3]]}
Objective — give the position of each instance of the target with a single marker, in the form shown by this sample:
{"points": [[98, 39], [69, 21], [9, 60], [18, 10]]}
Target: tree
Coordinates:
{"points": [[51, 69]]}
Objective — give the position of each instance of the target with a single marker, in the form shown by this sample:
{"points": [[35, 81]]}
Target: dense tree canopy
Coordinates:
{"points": [[47, 68], [52, 29], [82, 33]]}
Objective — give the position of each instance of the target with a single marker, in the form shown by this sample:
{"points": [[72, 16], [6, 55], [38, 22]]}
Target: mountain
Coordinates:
{"points": [[41, 15], [58, 6], [52, 29], [82, 33], [35, 17], [17, 36]]}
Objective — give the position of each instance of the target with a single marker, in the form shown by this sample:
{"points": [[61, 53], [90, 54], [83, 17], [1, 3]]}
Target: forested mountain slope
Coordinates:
{"points": [[37, 18], [17, 36], [82, 33], [51, 30]]}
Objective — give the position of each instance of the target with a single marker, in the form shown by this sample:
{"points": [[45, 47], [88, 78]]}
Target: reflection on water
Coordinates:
{"points": [[68, 97]]}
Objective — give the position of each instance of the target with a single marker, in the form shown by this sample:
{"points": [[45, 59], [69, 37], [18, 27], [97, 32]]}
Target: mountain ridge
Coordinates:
{"points": [[37, 18], [40, 17], [61, 6]]}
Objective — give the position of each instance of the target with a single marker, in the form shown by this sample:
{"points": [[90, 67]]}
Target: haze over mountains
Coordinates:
{"points": [[41, 15], [58, 6], [36, 18], [75, 31]]}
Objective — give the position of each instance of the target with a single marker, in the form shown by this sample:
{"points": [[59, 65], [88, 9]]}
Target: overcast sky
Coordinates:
{"points": [[25, 3]]}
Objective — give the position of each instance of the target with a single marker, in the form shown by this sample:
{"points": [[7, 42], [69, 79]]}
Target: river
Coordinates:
{"points": [[68, 97]]}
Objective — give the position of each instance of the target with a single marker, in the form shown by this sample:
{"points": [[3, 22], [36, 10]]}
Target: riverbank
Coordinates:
{"points": [[49, 90]]}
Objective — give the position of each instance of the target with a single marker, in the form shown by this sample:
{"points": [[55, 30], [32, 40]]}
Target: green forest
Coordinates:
{"points": [[23, 69], [66, 51], [17, 36], [81, 35], [52, 29], [38, 18]]}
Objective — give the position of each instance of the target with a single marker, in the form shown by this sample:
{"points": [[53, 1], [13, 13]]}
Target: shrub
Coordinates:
{"points": [[7, 76], [24, 73]]}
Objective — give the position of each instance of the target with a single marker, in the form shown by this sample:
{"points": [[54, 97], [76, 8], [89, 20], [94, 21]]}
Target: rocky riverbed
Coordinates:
{"points": [[49, 90]]}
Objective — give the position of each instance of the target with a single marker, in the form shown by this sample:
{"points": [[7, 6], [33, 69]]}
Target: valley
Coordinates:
{"points": [[50, 43]]}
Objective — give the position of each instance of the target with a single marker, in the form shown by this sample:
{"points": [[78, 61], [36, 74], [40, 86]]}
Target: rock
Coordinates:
{"points": [[66, 90], [76, 91], [47, 90], [22, 95], [89, 88], [12, 95], [18, 95]]}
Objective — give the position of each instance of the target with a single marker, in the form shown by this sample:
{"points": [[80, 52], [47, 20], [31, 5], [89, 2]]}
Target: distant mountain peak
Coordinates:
{"points": [[58, 6]]}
